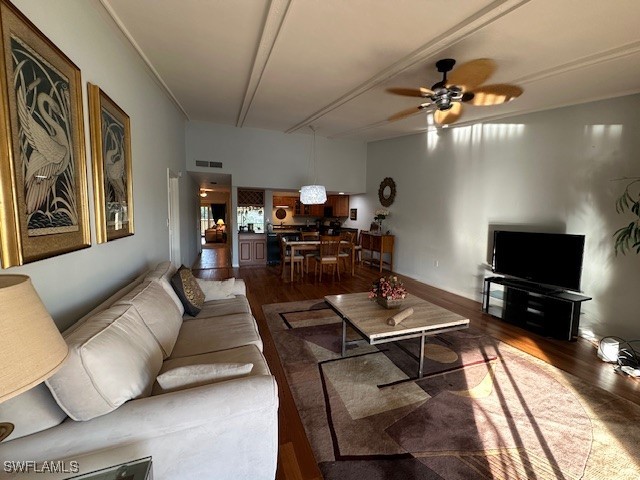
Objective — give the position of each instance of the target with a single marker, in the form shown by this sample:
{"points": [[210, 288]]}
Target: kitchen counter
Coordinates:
{"points": [[252, 248], [293, 228]]}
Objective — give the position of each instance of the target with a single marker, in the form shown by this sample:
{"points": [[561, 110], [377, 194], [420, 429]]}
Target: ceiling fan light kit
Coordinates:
{"points": [[463, 86]]}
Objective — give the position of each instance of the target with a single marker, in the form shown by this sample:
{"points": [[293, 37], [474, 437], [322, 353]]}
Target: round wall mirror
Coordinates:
{"points": [[281, 213], [387, 192]]}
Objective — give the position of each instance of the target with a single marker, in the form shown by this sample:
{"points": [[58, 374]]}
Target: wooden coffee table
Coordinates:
{"points": [[369, 319]]}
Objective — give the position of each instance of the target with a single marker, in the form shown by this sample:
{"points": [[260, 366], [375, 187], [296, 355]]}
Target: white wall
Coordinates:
{"points": [[364, 214], [274, 160], [73, 283], [551, 171]]}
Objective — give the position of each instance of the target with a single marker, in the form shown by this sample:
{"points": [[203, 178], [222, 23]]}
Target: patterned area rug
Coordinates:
{"points": [[483, 410]]}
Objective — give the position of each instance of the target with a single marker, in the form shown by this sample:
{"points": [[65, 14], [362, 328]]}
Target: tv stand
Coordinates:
{"points": [[553, 313]]}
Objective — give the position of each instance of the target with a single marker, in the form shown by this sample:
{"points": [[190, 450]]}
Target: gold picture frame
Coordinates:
{"points": [[43, 179], [112, 179]]}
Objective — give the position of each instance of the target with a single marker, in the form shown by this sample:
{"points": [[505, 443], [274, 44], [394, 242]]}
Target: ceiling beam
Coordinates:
{"points": [[272, 27], [600, 57], [459, 32], [111, 12]]}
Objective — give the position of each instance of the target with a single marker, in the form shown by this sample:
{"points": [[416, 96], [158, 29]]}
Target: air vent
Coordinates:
{"points": [[204, 163]]}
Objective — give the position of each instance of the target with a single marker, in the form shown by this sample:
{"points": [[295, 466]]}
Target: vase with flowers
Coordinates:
{"points": [[388, 292], [380, 215]]}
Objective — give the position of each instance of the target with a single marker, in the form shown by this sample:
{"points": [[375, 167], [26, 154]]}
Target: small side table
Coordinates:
{"points": [[380, 244], [136, 470]]}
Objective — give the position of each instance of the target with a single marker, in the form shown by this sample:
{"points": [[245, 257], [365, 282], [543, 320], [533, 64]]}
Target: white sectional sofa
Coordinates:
{"points": [[144, 379]]}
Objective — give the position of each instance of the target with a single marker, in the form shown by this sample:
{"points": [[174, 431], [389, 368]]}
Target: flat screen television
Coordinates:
{"points": [[551, 259]]}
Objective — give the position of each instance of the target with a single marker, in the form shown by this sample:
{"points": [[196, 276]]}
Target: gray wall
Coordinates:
{"points": [[549, 171], [73, 283]]}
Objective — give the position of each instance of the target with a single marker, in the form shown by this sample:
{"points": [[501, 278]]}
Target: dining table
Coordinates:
{"points": [[298, 246]]}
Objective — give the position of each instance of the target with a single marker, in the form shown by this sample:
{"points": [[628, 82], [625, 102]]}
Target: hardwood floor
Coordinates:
{"points": [[214, 255], [264, 286]]}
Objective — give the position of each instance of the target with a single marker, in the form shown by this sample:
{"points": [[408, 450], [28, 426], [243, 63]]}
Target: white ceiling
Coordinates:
{"points": [[286, 64]]}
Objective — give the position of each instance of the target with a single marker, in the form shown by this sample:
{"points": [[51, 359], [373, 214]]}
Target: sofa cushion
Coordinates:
{"points": [[30, 412], [217, 289], [158, 311], [162, 274], [204, 335], [107, 303], [221, 308], [188, 290], [249, 354], [190, 376], [113, 357]]}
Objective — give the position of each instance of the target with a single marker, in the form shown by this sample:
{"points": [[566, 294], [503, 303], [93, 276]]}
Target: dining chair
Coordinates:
{"points": [[310, 253], [357, 246], [328, 255], [285, 257], [345, 250]]}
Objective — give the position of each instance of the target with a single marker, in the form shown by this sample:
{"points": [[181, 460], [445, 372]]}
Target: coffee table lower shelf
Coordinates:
{"points": [[428, 320], [421, 335]]}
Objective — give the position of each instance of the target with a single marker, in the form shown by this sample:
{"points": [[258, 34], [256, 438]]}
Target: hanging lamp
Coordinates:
{"points": [[313, 194]]}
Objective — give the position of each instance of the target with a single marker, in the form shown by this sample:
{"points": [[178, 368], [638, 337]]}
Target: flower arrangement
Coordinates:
{"points": [[391, 289], [381, 214]]}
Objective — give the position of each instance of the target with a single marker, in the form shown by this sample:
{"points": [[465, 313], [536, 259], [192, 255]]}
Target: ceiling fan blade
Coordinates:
{"points": [[471, 74], [446, 117], [495, 94], [411, 92], [408, 112]]}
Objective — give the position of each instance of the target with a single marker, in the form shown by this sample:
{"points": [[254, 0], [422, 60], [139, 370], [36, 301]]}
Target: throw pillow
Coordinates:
{"points": [[217, 290], [191, 376], [188, 290]]}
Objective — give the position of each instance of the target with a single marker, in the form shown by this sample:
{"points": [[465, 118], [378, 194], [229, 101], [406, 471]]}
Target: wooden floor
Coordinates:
{"points": [[264, 286]]}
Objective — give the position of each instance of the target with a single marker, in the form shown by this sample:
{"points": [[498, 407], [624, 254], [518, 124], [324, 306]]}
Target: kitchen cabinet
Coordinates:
{"points": [[252, 249], [308, 210], [316, 210], [301, 209], [340, 204], [279, 201]]}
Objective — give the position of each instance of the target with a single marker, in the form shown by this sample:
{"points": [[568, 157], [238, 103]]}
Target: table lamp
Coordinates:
{"points": [[31, 347]]}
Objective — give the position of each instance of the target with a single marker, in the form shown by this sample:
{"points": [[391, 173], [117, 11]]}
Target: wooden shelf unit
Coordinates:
{"points": [[374, 248]]}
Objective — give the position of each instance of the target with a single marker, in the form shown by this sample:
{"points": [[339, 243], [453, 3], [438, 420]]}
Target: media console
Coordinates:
{"points": [[553, 313]]}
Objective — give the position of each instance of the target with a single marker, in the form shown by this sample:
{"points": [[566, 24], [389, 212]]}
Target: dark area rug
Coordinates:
{"points": [[483, 410]]}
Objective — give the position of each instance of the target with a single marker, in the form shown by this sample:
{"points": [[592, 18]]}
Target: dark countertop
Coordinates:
{"points": [[295, 228]]}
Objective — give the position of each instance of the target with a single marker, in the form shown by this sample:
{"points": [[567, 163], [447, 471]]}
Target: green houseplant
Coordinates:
{"points": [[628, 238]]}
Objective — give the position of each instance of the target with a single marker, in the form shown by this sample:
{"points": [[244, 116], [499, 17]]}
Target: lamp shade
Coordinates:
{"points": [[313, 194], [220, 222], [31, 346]]}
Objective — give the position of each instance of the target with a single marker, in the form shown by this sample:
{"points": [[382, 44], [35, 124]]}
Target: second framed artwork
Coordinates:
{"points": [[112, 180]]}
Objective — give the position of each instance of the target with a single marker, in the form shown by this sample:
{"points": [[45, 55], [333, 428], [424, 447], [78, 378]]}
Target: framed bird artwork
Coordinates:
{"points": [[111, 152], [43, 178]]}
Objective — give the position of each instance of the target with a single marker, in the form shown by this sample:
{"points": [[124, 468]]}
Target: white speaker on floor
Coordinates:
{"points": [[608, 350]]}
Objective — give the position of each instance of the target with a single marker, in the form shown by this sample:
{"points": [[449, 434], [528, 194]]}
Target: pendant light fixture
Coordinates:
{"points": [[313, 194]]}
